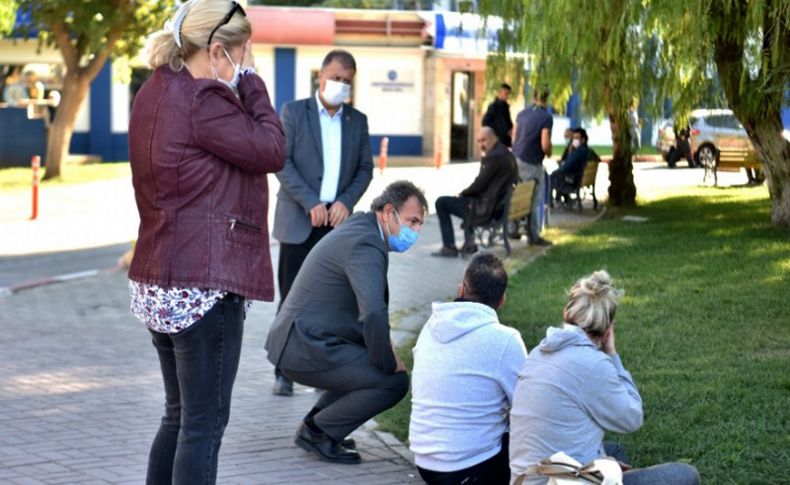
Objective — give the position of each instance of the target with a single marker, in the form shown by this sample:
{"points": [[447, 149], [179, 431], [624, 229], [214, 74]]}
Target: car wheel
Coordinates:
{"points": [[707, 156]]}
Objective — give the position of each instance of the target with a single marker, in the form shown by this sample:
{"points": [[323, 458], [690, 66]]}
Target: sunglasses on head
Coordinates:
{"points": [[235, 8]]}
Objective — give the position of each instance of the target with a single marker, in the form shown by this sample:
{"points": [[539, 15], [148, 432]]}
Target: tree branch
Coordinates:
{"points": [[62, 38]]}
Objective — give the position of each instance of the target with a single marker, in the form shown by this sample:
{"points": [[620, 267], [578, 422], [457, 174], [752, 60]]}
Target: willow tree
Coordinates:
{"points": [[7, 15], [751, 50], [87, 33], [609, 52]]}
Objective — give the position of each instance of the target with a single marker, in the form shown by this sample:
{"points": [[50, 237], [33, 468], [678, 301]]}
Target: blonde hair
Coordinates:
{"points": [[198, 19], [592, 303]]}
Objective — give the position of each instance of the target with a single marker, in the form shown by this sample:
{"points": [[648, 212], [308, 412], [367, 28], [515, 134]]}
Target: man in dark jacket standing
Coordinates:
{"points": [[476, 203], [328, 167], [498, 116]]}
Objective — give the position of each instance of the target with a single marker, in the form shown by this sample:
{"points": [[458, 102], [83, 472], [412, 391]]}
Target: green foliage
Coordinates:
{"points": [[8, 10], [95, 25], [361, 4], [639, 49], [700, 327]]}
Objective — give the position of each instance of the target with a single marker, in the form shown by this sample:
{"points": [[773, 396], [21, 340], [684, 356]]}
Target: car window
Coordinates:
{"points": [[692, 121], [732, 122], [716, 121]]}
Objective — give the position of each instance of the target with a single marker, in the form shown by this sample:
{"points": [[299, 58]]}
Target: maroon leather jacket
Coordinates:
{"points": [[199, 159]]}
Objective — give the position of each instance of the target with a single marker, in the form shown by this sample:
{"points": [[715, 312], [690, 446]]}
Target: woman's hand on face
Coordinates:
{"points": [[248, 60]]}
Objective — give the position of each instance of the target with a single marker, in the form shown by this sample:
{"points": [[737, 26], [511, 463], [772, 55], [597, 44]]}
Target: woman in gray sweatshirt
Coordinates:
{"points": [[573, 388]]}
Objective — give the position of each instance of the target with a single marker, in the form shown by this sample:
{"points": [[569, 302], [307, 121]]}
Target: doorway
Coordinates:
{"points": [[462, 117]]}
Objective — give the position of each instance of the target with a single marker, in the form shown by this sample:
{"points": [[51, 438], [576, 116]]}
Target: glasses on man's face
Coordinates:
{"points": [[236, 8]]}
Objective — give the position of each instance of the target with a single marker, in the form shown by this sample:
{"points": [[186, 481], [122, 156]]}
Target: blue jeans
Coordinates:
{"points": [[199, 367], [665, 473]]}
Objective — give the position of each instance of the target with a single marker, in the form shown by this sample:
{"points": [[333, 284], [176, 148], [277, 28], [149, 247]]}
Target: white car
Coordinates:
{"points": [[713, 129]]}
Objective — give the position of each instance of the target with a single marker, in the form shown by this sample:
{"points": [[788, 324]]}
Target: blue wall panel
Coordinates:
{"points": [[284, 76], [399, 145], [100, 136]]}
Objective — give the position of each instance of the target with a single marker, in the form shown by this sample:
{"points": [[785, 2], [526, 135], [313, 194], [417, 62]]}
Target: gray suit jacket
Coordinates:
{"points": [[300, 179], [336, 311]]}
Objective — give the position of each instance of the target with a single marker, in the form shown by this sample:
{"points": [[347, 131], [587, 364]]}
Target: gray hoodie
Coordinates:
{"points": [[465, 369], [568, 394]]}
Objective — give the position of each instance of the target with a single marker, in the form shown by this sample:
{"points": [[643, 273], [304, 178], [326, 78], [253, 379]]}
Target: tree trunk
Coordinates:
{"points": [[774, 154], [75, 89], [756, 101], [622, 191]]}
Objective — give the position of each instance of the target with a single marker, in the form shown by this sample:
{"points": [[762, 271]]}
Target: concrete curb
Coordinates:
{"points": [[6, 291]]}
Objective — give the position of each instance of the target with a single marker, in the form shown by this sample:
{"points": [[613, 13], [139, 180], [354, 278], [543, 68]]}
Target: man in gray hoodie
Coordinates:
{"points": [[466, 366]]}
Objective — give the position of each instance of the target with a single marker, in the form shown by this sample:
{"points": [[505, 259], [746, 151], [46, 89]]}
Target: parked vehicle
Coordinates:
{"points": [[712, 130]]}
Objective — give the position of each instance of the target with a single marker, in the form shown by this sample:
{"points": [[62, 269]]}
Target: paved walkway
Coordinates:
{"points": [[80, 389]]}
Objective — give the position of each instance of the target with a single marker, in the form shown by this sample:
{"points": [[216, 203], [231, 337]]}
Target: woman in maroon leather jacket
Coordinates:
{"points": [[202, 137]]}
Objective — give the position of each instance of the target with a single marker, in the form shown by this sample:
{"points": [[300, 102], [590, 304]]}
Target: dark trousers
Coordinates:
{"points": [[199, 367], [562, 185], [682, 149], [445, 207], [291, 258], [352, 394], [494, 471]]}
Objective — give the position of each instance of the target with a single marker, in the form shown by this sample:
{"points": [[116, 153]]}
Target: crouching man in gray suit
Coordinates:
{"points": [[332, 331]]}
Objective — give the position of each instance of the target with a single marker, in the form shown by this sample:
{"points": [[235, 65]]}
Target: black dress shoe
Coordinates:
{"points": [[446, 252], [469, 249], [324, 446], [349, 443], [540, 242], [283, 386]]}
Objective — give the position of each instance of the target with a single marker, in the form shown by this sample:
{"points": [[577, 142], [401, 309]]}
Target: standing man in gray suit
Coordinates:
{"points": [[328, 166], [333, 332]]}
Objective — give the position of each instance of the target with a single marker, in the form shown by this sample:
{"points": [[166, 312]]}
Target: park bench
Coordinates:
{"points": [[515, 206], [586, 185], [733, 159]]}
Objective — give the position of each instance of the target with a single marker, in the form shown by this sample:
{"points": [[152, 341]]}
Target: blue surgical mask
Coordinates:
{"points": [[404, 239]]}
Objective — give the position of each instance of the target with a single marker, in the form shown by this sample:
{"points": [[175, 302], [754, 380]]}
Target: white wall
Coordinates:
{"points": [[264, 65], [119, 109]]}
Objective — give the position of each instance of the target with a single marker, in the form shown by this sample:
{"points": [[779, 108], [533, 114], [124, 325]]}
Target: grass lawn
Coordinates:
{"points": [[703, 327], [21, 177]]}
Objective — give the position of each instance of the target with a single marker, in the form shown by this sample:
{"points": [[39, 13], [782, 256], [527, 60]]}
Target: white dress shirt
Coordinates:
{"points": [[331, 141]]}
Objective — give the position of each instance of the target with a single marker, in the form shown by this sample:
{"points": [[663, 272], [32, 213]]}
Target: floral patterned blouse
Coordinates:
{"points": [[171, 310]]}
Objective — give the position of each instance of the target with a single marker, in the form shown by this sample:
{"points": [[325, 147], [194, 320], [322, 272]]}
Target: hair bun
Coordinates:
{"points": [[598, 285]]}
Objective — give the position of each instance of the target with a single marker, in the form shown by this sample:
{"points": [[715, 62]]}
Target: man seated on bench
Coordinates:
{"points": [[476, 203], [566, 179], [466, 367]]}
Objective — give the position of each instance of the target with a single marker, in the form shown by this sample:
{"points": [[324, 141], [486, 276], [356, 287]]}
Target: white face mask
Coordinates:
{"points": [[335, 92], [234, 81], [577, 143]]}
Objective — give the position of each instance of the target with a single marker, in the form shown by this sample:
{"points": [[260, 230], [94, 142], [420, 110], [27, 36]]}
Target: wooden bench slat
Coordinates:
{"points": [[521, 200]]}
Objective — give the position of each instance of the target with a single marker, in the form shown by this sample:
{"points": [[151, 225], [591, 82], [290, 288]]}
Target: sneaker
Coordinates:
{"points": [[446, 252], [540, 242]]}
